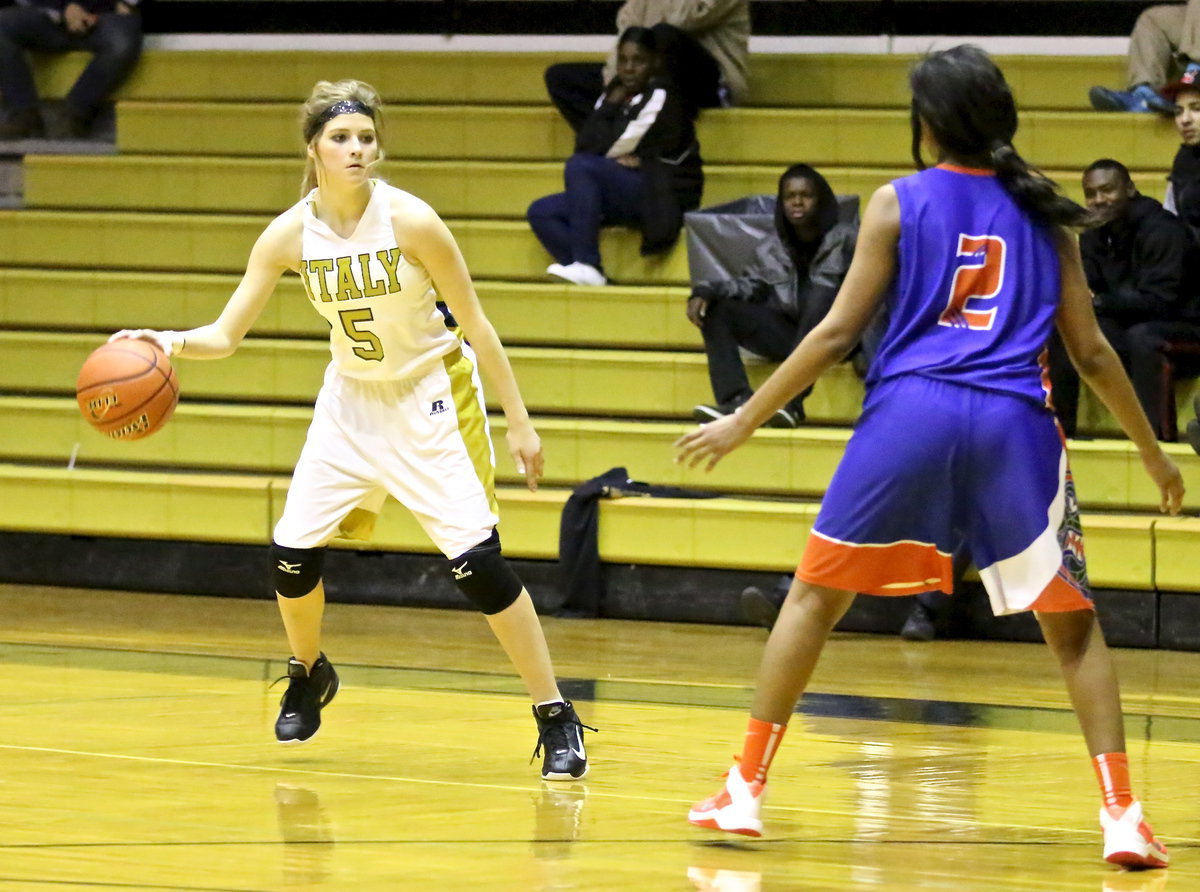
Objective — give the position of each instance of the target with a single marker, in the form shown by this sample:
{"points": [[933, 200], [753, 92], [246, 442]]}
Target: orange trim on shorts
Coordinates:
{"points": [[897, 568], [1062, 595]]}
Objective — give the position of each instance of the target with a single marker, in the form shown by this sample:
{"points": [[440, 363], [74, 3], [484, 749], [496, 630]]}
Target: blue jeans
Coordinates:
{"points": [[599, 192], [115, 43]]}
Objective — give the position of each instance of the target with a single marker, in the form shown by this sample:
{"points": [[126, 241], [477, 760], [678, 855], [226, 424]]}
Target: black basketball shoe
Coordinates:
{"points": [[307, 692], [560, 734]]}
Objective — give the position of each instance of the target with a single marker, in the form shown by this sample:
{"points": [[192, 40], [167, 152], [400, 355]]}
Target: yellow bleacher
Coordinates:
{"points": [[208, 149]]}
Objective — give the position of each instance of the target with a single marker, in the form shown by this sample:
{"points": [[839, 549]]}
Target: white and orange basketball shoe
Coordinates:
{"points": [[734, 809], [1128, 839]]}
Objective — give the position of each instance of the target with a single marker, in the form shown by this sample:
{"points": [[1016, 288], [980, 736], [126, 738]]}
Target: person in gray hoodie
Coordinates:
{"points": [[782, 294]]}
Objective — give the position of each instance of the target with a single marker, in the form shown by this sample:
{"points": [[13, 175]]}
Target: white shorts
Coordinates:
{"points": [[425, 441]]}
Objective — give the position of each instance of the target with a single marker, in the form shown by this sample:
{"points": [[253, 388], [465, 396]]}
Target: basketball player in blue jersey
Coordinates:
{"points": [[401, 410], [956, 440]]}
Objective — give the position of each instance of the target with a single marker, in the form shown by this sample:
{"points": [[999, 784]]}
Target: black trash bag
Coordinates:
{"points": [[721, 239]]}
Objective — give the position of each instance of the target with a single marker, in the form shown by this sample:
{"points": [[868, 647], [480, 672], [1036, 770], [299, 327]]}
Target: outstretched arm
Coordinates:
{"points": [[422, 234], [870, 273], [277, 249], [1099, 365]]}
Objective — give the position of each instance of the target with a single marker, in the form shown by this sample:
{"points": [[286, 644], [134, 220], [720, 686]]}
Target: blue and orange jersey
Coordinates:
{"points": [[976, 288]]}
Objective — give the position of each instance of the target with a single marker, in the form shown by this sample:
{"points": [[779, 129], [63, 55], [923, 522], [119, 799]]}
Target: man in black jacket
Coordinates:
{"points": [[110, 30], [1142, 266]]}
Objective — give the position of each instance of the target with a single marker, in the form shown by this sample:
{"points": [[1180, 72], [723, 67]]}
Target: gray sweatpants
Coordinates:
{"points": [[1164, 39]]}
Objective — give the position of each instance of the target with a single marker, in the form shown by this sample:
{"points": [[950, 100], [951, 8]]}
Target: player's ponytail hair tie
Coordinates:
{"points": [[1003, 154], [344, 107]]}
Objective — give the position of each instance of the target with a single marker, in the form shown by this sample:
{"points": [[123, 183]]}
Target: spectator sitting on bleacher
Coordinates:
{"points": [[786, 290], [1164, 38], [1143, 269], [111, 30], [704, 45], [1183, 195], [636, 163]]}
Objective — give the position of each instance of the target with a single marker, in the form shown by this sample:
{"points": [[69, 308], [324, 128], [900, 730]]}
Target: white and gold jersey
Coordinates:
{"points": [[380, 305]]}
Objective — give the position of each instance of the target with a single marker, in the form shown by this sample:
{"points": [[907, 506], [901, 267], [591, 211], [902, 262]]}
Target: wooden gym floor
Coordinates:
{"points": [[135, 740]]}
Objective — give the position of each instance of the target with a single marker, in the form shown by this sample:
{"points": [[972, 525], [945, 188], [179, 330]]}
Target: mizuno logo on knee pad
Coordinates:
{"points": [[296, 571], [490, 582]]}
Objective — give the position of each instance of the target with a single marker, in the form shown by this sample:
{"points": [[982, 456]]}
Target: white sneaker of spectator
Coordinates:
{"points": [[577, 273]]}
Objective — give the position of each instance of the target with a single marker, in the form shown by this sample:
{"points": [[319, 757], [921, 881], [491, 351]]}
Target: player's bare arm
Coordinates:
{"points": [[276, 251], [1099, 365], [870, 273], [421, 233]]}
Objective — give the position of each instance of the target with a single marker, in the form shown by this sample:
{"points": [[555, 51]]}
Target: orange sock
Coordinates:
{"points": [[762, 740], [1112, 771]]}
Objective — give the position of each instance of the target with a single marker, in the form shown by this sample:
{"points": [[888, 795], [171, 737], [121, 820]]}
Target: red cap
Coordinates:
{"points": [[1189, 81]]}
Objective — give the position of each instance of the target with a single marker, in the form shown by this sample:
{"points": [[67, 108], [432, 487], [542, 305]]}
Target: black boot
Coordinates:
{"points": [[23, 124], [73, 126], [761, 608]]}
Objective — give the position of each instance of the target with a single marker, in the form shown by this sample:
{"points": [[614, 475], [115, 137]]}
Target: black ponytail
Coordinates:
{"points": [[1034, 192], [964, 100]]}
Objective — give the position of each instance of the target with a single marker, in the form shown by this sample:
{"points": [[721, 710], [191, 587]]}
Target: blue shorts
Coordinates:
{"points": [[934, 464]]}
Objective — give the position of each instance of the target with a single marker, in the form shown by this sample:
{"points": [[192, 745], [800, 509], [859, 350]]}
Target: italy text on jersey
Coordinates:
{"points": [[351, 277]]}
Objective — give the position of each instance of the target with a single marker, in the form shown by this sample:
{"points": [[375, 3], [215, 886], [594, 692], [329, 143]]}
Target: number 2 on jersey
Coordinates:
{"points": [[979, 278], [369, 346]]}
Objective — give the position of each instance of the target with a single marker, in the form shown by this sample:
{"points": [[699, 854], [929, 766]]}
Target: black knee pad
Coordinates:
{"points": [[485, 576], [296, 571]]}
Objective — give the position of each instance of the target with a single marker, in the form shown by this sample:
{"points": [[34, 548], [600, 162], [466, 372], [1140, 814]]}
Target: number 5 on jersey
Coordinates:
{"points": [[368, 344], [978, 279]]}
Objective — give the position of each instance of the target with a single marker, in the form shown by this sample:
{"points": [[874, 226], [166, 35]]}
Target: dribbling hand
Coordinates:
{"points": [[711, 442], [525, 447], [1165, 474], [163, 340]]}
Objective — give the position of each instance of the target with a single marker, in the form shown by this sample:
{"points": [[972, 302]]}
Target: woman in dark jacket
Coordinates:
{"points": [[636, 163], [785, 291]]}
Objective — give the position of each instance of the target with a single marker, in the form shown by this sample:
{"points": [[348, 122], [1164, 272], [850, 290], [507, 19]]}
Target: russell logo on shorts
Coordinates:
{"points": [[438, 407]]}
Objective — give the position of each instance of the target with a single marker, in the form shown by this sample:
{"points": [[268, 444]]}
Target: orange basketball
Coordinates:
{"points": [[127, 389]]}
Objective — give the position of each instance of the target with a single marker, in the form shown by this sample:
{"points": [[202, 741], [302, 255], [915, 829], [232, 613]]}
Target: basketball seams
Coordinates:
{"points": [[151, 361], [154, 406], [115, 421]]}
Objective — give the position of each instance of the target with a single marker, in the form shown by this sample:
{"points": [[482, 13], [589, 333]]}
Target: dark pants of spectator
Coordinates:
{"points": [[1160, 353], [759, 328], [115, 43], [599, 192], [1154, 353], [574, 87], [1064, 380]]}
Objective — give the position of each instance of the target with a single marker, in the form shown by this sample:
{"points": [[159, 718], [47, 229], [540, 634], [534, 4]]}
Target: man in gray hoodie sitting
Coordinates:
{"points": [[783, 293]]}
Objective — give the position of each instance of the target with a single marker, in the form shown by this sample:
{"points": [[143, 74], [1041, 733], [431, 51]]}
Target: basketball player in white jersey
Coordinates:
{"points": [[400, 412]]}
